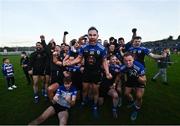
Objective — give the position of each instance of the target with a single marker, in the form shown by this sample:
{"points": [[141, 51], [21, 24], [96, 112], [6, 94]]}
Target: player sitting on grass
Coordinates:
{"points": [[65, 97]]}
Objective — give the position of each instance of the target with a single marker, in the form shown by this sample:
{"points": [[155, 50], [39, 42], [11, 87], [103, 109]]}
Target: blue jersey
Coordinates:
{"points": [[119, 56], [133, 72], [73, 52], [63, 92], [74, 68], [93, 56], [8, 70], [114, 68], [140, 53], [128, 46], [24, 61]]}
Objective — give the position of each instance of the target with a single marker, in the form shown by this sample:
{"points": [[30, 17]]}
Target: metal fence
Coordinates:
{"points": [[14, 53]]}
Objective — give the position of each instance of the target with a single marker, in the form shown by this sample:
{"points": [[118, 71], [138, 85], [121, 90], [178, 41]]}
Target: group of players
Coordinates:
{"points": [[89, 71]]}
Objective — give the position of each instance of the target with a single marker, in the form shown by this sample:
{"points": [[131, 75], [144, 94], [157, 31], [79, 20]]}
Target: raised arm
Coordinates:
{"points": [[155, 56], [64, 36], [73, 62], [106, 68], [55, 59]]}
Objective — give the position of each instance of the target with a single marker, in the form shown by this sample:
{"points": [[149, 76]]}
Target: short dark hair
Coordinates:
{"points": [[38, 43], [137, 37], [121, 38], [58, 46], [23, 53], [112, 56], [67, 79], [111, 38], [128, 54], [92, 28], [72, 42]]}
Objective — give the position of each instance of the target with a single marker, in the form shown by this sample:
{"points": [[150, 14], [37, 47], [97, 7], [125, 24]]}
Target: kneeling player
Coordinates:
{"points": [[65, 98], [135, 80]]}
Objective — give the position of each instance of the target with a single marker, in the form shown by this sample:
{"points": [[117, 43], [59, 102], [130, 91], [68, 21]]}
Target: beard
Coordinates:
{"points": [[38, 49]]}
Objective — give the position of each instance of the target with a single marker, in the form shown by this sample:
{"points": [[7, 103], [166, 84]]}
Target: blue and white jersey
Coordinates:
{"points": [[63, 92], [93, 55], [8, 70], [114, 68], [139, 53], [133, 72], [73, 52], [74, 68]]}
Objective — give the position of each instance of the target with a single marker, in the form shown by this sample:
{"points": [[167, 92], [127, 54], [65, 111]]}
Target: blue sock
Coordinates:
{"points": [[114, 108]]}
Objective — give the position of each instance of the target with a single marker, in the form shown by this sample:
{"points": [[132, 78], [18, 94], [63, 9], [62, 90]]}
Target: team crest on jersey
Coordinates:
{"points": [[98, 52], [92, 52], [133, 72], [116, 70], [86, 51], [134, 51]]}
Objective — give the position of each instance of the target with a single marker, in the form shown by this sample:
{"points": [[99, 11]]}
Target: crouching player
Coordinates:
{"points": [[135, 80], [112, 86], [65, 97]]}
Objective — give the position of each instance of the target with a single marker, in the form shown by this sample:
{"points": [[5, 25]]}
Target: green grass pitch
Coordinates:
{"points": [[161, 103]]}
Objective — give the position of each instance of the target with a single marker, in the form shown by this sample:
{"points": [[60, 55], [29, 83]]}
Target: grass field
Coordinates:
{"points": [[161, 103]]}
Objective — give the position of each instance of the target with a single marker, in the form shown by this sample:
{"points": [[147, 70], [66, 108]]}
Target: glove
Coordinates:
{"points": [[134, 30], [65, 33]]}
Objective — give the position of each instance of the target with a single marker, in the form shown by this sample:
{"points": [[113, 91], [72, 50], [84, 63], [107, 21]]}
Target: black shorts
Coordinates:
{"points": [[105, 86], [38, 72], [47, 71], [57, 77], [92, 77], [134, 85], [58, 108], [77, 80]]}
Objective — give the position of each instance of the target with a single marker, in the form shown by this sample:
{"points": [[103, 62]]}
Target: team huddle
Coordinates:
{"points": [[87, 71]]}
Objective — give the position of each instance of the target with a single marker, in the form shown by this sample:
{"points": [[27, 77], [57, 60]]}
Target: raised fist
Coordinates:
{"points": [[65, 33], [134, 30], [42, 37]]}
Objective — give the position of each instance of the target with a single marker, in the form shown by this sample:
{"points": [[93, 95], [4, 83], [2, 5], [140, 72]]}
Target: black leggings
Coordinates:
{"points": [[10, 81], [28, 77]]}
